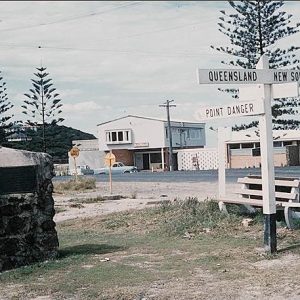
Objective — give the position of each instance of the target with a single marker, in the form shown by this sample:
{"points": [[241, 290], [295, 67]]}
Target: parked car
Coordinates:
{"points": [[117, 168], [83, 170]]}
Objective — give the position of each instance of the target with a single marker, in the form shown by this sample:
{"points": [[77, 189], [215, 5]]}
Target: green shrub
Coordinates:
{"points": [[192, 216]]}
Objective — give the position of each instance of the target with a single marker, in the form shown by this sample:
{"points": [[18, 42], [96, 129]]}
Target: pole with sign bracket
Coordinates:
{"points": [[264, 79], [74, 152], [223, 136], [109, 160], [267, 165]]}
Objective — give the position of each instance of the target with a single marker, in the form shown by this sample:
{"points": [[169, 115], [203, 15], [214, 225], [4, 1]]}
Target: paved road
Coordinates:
{"points": [[189, 176]]}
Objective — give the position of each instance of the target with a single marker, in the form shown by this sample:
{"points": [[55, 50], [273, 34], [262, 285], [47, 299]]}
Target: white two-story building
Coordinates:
{"points": [[144, 141]]}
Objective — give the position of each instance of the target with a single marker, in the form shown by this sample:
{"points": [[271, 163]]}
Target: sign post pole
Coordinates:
{"points": [[223, 135], [262, 108], [75, 168], [267, 165], [110, 177], [222, 162], [109, 160]]}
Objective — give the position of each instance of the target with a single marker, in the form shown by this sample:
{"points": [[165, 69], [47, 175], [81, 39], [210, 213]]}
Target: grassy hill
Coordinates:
{"points": [[58, 138]]}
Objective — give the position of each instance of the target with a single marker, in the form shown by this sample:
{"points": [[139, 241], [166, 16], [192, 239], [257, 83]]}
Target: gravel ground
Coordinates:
{"points": [[137, 195]]}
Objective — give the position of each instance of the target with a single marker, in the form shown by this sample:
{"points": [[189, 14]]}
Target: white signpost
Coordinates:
{"points": [[262, 106], [236, 109], [224, 134], [247, 76]]}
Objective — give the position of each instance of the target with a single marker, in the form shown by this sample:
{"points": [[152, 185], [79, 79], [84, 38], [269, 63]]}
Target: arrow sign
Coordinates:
{"points": [[237, 109], [253, 92], [247, 76]]}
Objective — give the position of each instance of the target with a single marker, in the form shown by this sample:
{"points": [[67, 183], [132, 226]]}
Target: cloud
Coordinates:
{"points": [[124, 57], [81, 107]]}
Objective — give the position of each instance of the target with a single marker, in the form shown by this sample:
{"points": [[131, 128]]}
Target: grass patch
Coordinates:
{"points": [[148, 255], [88, 200], [196, 217], [81, 184], [60, 209]]}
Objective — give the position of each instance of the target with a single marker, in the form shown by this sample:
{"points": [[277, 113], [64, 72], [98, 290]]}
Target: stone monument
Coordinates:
{"points": [[27, 229]]}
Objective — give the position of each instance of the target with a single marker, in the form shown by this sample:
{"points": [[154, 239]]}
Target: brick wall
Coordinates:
{"points": [[249, 161], [123, 155]]}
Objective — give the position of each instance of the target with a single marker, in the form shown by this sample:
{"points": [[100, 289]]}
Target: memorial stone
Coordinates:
{"points": [[27, 229]]}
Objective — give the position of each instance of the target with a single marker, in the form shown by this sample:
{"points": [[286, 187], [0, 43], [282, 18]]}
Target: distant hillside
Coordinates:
{"points": [[59, 141]]}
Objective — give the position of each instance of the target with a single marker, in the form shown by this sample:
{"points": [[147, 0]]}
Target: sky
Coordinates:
{"points": [[109, 59]]}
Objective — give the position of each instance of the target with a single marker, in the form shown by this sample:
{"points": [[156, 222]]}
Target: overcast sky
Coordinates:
{"points": [[110, 59]]}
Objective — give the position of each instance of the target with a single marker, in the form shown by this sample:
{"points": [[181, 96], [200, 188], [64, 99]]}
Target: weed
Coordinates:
{"points": [[117, 222], [133, 195], [88, 200], [190, 215], [59, 209], [76, 205], [72, 185], [270, 256]]}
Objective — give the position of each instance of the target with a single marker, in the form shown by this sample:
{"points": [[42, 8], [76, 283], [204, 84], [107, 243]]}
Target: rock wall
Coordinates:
{"points": [[27, 229]]}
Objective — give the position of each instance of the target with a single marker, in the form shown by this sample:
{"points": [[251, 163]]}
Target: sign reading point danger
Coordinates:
{"points": [[237, 109]]}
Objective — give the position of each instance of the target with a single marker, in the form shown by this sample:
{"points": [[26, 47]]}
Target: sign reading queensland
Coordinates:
{"points": [[237, 109], [247, 76]]}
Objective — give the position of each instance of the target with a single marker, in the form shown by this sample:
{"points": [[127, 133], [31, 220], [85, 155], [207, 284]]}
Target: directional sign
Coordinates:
{"points": [[109, 159], [247, 76], [74, 152], [253, 92], [237, 109]]}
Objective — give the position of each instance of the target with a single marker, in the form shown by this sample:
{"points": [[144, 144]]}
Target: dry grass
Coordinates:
{"points": [[144, 254], [82, 184]]}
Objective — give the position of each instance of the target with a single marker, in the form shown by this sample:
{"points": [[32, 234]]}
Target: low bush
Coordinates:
{"points": [[81, 184], [88, 200], [193, 216]]}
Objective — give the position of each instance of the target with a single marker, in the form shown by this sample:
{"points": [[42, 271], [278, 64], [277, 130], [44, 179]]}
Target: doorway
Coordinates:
{"points": [[146, 164]]}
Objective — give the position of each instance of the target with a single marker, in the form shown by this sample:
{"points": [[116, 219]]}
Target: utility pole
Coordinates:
{"points": [[167, 106]]}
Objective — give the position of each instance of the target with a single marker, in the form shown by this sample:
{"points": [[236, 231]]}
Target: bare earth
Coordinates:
{"points": [[137, 196], [269, 278]]}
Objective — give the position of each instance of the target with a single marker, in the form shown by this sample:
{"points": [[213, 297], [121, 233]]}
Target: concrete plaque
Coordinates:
{"points": [[18, 180]]}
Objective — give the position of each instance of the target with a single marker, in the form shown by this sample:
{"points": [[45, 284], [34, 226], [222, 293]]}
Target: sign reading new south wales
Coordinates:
{"points": [[237, 109], [247, 76]]}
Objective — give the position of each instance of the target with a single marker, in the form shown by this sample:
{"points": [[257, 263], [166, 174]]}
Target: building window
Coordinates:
{"points": [[277, 144], [118, 137], [287, 143], [108, 137], [234, 146], [194, 134], [155, 157], [247, 145]]}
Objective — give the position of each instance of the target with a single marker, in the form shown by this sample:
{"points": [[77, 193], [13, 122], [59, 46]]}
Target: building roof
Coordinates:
{"points": [[251, 136], [150, 118]]}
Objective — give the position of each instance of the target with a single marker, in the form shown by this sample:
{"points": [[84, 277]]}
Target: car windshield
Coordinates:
{"points": [[118, 165]]}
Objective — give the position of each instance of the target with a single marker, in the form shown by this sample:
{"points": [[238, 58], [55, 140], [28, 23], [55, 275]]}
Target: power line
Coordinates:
{"points": [[92, 14], [154, 31], [110, 51]]}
